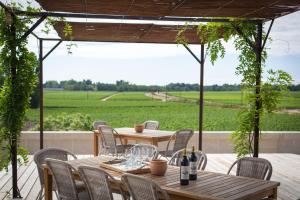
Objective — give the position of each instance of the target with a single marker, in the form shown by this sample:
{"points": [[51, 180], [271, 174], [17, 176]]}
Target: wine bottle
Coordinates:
{"points": [[193, 165], [184, 169]]}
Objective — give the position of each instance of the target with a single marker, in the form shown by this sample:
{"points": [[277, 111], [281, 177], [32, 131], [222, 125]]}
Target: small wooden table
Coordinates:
{"points": [[150, 136], [209, 186]]}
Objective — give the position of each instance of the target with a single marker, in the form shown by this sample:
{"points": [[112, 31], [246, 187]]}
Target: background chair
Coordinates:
{"points": [[98, 123], [67, 187], [97, 182], [259, 168], [40, 159], [201, 159], [143, 189], [182, 138], [153, 125], [109, 142]]}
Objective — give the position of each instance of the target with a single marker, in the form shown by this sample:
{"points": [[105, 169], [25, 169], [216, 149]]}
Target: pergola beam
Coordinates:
{"points": [[37, 37], [31, 29], [127, 17], [267, 35], [53, 48], [192, 53]]}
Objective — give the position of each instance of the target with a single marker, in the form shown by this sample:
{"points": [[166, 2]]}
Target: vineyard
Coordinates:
{"points": [[127, 108]]}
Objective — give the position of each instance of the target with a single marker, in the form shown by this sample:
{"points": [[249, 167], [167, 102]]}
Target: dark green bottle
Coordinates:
{"points": [[184, 169], [193, 165]]}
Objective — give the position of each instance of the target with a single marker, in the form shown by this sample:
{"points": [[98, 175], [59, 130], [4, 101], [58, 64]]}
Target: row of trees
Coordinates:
{"points": [[121, 85]]}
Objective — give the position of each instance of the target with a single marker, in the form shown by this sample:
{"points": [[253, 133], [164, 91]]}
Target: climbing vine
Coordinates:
{"points": [[275, 84], [18, 77]]}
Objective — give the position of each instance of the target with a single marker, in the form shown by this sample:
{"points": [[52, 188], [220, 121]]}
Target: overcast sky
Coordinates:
{"points": [[162, 64]]}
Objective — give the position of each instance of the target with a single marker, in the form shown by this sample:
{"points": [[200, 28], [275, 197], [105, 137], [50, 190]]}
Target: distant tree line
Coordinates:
{"points": [[121, 85]]}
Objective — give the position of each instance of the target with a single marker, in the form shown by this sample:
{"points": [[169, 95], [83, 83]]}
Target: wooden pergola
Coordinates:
{"points": [[256, 12]]}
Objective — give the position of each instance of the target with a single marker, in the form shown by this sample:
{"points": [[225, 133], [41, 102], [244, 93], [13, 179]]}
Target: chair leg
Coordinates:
{"points": [[56, 194], [40, 195]]}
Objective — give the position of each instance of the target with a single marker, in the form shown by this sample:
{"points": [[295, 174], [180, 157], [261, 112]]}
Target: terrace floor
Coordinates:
{"points": [[286, 170]]}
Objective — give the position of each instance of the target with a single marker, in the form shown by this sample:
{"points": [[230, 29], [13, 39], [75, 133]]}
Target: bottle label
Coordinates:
{"points": [[193, 167], [184, 173]]}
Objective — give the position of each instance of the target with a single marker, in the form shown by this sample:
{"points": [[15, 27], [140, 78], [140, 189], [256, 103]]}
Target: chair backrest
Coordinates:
{"points": [[98, 123], [108, 139], [182, 138], [259, 168], [148, 150], [62, 175], [97, 182], [153, 125], [141, 188], [55, 153], [201, 159]]}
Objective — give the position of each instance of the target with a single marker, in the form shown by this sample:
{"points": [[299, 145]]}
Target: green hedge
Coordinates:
{"points": [[68, 122]]}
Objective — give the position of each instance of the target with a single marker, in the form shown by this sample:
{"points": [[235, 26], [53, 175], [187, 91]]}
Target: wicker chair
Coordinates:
{"points": [[152, 125], [98, 123], [40, 159], [201, 159], [108, 141], [253, 167], [143, 189], [146, 149], [97, 182], [67, 187], [182, 138]]}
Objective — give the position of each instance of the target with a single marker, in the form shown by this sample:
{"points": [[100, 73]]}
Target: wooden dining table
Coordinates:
{"points": [[149, 136], [208, 186]]}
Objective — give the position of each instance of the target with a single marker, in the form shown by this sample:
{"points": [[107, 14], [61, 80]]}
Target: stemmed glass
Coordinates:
{"points": [[149, 155]]}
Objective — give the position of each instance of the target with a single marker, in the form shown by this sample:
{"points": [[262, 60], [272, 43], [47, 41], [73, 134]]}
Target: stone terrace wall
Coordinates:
{"points": [[81, 142]]}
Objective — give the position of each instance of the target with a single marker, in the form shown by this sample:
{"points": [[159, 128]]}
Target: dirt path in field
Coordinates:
{"points": [[289, 111], [108, 97], [165, 97]]}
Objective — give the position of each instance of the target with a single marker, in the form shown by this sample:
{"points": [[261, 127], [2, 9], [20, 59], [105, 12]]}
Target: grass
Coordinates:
{"points": [[290, 100], [128, 108]]}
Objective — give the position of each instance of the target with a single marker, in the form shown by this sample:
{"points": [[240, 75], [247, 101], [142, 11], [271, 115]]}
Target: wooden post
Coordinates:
{"points": [[201, 97], [96, 143], [14, 139], [48, 183], [41, 95], [257, 88]]}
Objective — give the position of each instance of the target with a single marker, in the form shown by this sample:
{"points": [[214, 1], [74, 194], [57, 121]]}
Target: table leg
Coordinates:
{"points": [[274, 195], [96, 144], [154, 142], [48, 184], [125, 141]]}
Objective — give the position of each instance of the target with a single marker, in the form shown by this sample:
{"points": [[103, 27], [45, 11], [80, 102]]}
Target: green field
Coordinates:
{"points": [[128, 108], [290, 100]]}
